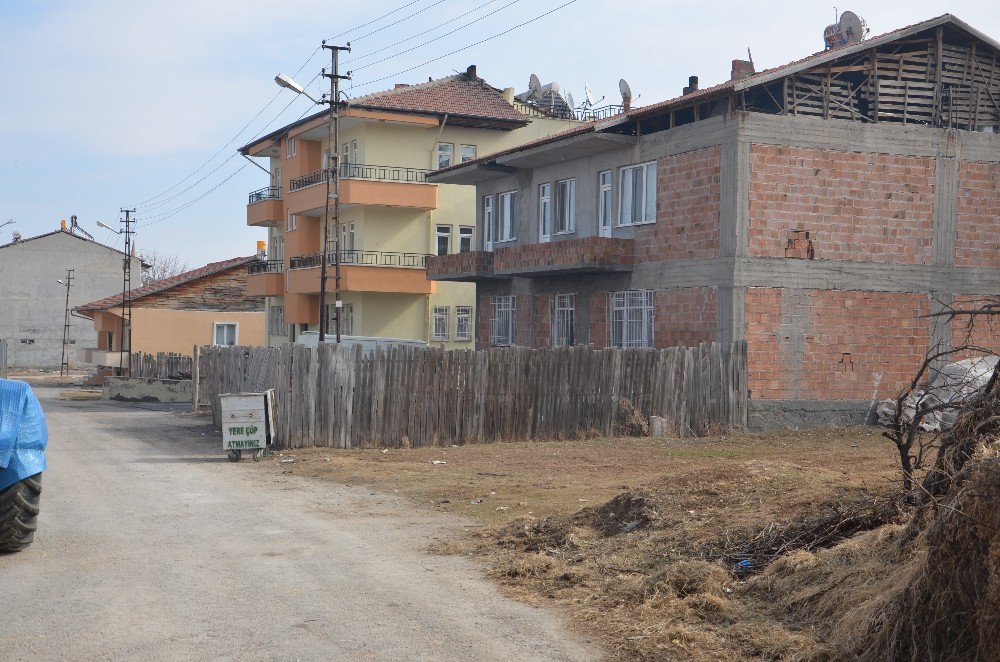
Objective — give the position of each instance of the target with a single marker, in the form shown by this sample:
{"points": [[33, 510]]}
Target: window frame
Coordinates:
{"points": [[545, 211], [291, 148], [292, 223], [644, 168], [563, 320], [489, 216], [504, 305], [451, 154], [510, 206], [466, 314], [347, 237], [466, 232], [461, 153], [559, 208], [605, 190], [346, 319], [630, 311], [440, 323], [442, 232], [215, 333], [276, 321]]}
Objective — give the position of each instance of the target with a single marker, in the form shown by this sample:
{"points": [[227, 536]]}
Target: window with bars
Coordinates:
{"points": [[346, 319], [502, 321], [463, 322], [440, 320], [563, 320], [276, 321], [631, 318]]}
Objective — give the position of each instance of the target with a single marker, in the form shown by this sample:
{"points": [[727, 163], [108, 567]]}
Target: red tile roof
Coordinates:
{"points": [[163, 284], [453, 95]]}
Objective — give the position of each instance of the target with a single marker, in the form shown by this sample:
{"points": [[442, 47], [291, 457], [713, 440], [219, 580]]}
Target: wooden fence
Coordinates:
{"points": [[161, 366], [339, 397], [3, 358]]}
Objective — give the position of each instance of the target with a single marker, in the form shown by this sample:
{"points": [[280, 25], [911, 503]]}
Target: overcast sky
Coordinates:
{"points": [[113, 103]]}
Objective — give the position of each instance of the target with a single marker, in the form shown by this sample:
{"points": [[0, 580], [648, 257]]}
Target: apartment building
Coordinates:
{"points": [[820, 211], [391, 218]]}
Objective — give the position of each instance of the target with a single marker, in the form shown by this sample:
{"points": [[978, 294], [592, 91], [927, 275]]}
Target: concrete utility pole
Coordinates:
{"points": [[64, 364], [127, 296], [333, 150]]}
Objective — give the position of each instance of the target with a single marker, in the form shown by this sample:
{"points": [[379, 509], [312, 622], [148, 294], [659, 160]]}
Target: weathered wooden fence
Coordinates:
{"points": [[161, 366], [339, 397]]}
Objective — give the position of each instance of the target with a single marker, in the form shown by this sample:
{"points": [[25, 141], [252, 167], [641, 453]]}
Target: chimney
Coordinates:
{"points": [[62, 225], [471, 72], [399, 85], [692, 85], [508, 95], [741, 69]]}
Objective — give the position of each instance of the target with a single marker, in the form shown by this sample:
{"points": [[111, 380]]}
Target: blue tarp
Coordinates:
{"points": [[23, 435]]}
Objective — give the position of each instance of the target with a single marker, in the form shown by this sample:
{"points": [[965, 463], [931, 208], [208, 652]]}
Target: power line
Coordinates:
{"points": [[472, 45], [389, 25], [376, 20]]}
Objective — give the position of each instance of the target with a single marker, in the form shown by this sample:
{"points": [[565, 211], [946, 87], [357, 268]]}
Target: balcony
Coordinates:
{"points": [[363, 184], [266, 278], [569, 256], [361, 271], [264, 207], [470, 266]]}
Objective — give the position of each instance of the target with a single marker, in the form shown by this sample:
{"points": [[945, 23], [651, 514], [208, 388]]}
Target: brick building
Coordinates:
{"points": [[819, 211]]}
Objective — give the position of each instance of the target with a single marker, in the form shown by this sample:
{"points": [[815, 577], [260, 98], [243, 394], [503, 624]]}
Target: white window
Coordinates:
{"points": [[544, 211], [488, 218], [565, 206], [291, 149], [225, 334], [443, 235], [468, 152], [349, 158], [465, 242], [276, 178], [463, 322], [440, 330], [604, 202], [502, 321], [563, 314], [293, 222], [506, 216], [346, 319], [637, 202], [276, 321], [445, 154], [277, 248], [347, 237], [632, 318]]}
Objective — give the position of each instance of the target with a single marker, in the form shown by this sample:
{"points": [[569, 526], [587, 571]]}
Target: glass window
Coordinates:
{"points": [[445, 154], [565, 206], [506, 216], [346, 319], [440, 330], [604, 202], [563, 308], [290, 148], [488, 221], [276, 321], [632, 318], [544, 211], [638, 194], [225, 334], [502, 321], [468, 153], [465, 242], [347, 244], [463, 322], [293, 221], [443, 239]]}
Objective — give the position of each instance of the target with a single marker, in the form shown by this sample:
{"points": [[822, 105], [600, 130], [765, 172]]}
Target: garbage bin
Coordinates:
{"points": [[247, 423]]}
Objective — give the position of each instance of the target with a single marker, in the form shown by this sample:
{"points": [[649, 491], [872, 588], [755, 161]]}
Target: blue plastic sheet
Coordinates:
{"points": [[23, 435]]}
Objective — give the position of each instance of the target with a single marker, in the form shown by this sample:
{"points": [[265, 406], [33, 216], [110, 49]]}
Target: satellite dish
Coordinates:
{"points": [[534, 86], [15, 236], [626, 91], [591, 100], [569, 99]]}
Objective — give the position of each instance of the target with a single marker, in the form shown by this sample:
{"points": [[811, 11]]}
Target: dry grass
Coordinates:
{"points": [[631, 534]]}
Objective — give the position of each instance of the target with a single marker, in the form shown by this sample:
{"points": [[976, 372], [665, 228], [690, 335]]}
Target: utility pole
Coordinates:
{"points": [[127, 295], [64, 365], [334, 159]]}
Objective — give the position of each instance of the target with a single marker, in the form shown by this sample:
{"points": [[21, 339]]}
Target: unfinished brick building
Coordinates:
{"points": [[819, 210]]}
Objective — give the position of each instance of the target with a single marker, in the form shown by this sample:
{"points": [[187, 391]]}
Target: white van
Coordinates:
{"points": [[368, 343]]}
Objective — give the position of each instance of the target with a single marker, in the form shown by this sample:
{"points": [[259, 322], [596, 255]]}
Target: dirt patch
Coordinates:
{"points": [[630, 534]]}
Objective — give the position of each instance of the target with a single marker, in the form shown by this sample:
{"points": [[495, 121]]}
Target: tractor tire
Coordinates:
{"points": [[19, 514]]}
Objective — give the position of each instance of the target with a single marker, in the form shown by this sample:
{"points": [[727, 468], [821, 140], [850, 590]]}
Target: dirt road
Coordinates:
{"points": [[152, 546]]}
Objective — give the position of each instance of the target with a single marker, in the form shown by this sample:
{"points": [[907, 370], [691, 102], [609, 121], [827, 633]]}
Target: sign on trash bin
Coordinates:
{"points": [[247, 423]]}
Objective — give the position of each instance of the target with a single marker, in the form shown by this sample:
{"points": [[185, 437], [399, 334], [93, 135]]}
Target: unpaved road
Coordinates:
{"points": [[151, 545]]}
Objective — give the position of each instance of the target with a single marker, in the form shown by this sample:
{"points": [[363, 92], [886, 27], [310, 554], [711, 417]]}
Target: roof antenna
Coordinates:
{"points": [[750, 56]]}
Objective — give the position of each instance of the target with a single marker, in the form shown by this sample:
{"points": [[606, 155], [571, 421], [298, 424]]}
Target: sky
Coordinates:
{"points": [[117, 103]]}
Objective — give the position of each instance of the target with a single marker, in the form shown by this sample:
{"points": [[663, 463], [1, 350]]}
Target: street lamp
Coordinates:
{"points": [[102, 225], [289, 83], [7, 223]]}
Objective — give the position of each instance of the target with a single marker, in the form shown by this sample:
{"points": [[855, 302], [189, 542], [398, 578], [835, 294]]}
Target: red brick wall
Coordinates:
{"points": [[974, 330], [599, 319], [977, 232], [684, 317], [543, 320], [483, 311], [856, 206], [523, 306], [847, 338], [687, 209]]}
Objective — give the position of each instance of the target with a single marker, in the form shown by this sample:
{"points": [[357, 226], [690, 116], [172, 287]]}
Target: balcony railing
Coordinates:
{"points": [[266, 193], [266, 267], [360, 171], [364, 258]]}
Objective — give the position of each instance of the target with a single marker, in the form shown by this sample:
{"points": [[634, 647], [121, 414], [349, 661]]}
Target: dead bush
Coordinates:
{"points": [[685, 578], [629, 421], [628, 511]]}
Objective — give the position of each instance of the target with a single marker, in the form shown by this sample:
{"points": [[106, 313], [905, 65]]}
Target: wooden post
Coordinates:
{"points": [[194, 380]]}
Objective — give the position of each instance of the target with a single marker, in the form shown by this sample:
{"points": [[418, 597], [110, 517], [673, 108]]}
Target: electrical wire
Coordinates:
{"points": [[405, 18]]}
